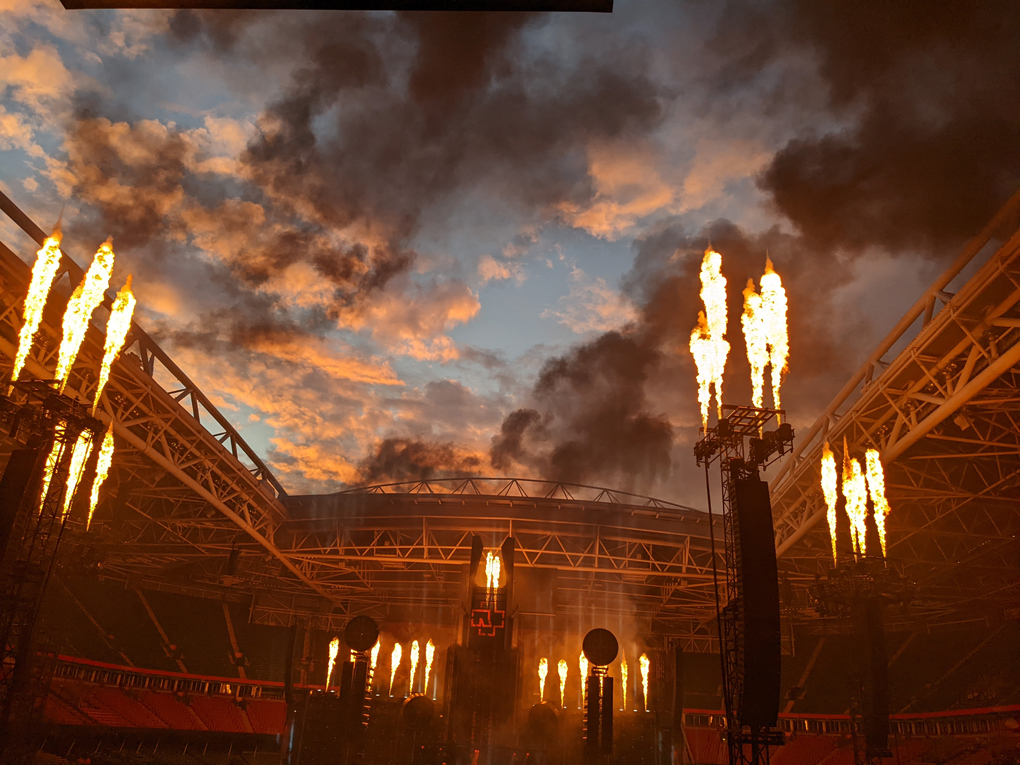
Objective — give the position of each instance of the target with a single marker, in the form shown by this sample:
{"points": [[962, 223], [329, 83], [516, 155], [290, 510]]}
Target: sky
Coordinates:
{"points": [[393, 246]]}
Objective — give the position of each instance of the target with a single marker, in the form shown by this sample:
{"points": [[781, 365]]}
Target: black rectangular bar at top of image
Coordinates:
{"points": [[560, 6]]}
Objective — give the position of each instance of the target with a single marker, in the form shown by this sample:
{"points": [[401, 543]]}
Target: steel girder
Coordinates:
{"points": [[945, 415]]}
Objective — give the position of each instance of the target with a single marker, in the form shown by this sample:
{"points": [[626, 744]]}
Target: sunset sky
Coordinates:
{"points": [[392, 246]]}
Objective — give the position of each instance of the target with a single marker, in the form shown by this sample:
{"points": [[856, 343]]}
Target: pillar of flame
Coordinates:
{"points": [[430, 654], [623, 680], [103, 463], [855, 492], [582, 664], [561, 669], [394, 663], [79, 455], [493, 566], [708, 339], [773, 301], [753, 323], [86, 297], [645, 664], [116, 334], [829, 491], [543, 672], [876, 488], [414, 667], [334, 648], [44, 271]]}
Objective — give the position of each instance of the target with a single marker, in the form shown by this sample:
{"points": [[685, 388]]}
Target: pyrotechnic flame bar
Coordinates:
{"points": [[87, 296], [708, 340], [645, 664], [414, 667], [44, 271], [773, 300], [756, 340], [855, 492], [103, 463], [876, 488], [561, 668], [79, 455], [334, 649], [582, 664], [430, 653], [623, 679], [830, 492], [116, 334], [543, 671], [394, 663]]}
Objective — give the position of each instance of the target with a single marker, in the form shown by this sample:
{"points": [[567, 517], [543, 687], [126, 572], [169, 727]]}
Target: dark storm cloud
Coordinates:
{"points": [[927, 92], [406, 459]]}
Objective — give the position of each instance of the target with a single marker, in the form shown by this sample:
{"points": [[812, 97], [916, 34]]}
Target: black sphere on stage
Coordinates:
{"points": [[361, 633], [418, 711], [600, 647]]}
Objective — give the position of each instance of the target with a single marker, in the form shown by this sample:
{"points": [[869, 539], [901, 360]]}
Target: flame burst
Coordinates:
{"points": [[493, 566], [855, 492], [582, 664], [79, 455], [623, 679], [561, 668], [543, 671], [414, 667], [47, 262], [708, 340], [334, 649], [645, 664], [773, 301], [876, 488], [753, 322], [83, 302], [430, 654], [52, 460], [116, 333], [103, 463], [394, 663], [829, 489]]}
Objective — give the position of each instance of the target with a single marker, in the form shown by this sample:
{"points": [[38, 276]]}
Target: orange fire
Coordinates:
{"points": [[561, 668], [645, 664], [103, 463], [414, 667], [116, 334], [855, 491], [493, 567], [829, 491], [876, 488], [430, 654], [79, 456], [394, 663], [47, 263], [773, 300], [756, 340], [52, 460], [708, 339], [83, 302], [543, 671], [373, 661], [583, 666], [623, 679], [334, 649]]}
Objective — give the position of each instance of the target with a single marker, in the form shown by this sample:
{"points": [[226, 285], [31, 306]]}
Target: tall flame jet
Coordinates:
{"points": [[87, 296], [414, 667], [829, 491], [543, 671], [493, 565], [103, 463], [645, 664], [79, 455], [876, 488], [334, 649], [44, 271], [773, 301], [708, 339], [430, 653], [394, 663], [116, 334], [623, 679], [756, 340], [561, 668], [855, 491], [582, 664]]}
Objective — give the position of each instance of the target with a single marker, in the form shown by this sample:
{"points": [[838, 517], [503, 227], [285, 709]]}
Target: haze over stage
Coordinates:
{"points": [[560, 6]]}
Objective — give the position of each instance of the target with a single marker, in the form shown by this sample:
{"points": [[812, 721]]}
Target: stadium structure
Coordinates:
{"points": [[192, 620]]}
